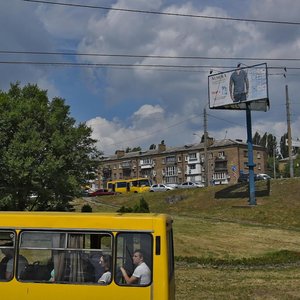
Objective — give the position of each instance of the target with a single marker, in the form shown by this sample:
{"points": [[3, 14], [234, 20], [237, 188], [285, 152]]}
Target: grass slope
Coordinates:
{"points": [[224, 248]]}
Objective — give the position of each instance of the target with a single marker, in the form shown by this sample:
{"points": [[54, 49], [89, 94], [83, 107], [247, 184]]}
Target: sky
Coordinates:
{"points": [[129, 103]]}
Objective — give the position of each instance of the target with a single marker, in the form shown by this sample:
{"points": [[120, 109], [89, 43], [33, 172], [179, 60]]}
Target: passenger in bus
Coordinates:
{"points": [[94, 259], [3, 264], [141, 274], [22, 263], [52, 276], [105, 262]]}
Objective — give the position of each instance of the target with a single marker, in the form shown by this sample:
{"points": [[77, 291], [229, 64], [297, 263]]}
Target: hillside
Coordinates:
{"points": [[277, 204], [224, 248]]}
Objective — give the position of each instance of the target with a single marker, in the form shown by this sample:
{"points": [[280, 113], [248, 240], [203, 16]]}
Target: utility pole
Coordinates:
{"points": [[274, 162], [251, 164], [205, 150], [288, 118]]}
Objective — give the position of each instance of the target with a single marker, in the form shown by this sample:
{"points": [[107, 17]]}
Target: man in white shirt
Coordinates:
{"points": [[141, 274]]}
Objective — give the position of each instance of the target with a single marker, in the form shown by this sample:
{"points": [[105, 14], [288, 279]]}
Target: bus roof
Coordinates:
{"points": [[87, 221]]}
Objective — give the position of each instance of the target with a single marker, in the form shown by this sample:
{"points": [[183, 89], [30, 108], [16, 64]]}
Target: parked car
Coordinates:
{"points": [[101, 192], [263, 177], [160, 188], [190, 184], [84, 193], [172, 185], [244, 177]]}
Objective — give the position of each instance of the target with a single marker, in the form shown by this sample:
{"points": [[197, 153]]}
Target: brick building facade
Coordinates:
{"points": [[225, 160]]}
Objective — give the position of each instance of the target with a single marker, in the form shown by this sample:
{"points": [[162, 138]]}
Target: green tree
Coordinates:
{"points": [[284, 150], [271, 145], [134, 149], [263, 140], [44, 156], [256, 138]]}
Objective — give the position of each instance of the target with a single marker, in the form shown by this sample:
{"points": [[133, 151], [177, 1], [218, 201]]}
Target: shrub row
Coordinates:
{"points": [[281, 257]]}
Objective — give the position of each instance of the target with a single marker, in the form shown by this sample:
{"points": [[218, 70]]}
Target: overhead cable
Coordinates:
{"points": [[165, 13], [145, 56]]}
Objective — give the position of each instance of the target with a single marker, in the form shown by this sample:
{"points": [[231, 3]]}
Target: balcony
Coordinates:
{"points": [[193, 171], [147, 164], [126, 165], [221, 158], [220, 166]]}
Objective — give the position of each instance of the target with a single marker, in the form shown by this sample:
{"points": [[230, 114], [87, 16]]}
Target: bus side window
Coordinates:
{"points": [[7, 253], [128, 245], [64, 256]]}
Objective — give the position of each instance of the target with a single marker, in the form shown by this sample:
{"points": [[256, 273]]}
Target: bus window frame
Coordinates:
{"points": [[65, 248], [13, 247], [148, 233]]}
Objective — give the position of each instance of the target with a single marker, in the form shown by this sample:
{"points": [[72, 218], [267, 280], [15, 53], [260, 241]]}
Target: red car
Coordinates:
{"points": [[101, 192]]}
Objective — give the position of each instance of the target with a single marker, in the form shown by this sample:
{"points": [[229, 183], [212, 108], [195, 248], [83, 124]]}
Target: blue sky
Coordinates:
{"points": [[129, 107]]}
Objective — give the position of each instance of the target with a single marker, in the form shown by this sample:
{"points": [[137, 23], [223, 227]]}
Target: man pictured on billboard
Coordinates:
{"points": [[239, 85]]}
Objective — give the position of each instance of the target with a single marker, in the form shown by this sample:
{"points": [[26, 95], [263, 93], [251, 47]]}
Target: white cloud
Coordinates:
{"points": [[142, 106], [148, 111]]}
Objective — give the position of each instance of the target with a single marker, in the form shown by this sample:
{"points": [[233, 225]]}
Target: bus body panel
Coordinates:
{"points": [[44, 291], [156, 225]]}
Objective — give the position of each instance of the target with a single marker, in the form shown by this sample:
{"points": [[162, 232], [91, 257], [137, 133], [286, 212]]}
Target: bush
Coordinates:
{"points": [[86, 208], [142, 207]]}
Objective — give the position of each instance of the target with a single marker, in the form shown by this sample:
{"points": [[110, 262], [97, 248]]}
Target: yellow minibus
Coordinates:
{"points": [[139, 185], [118, 186], [134, 185], [52, 255]]}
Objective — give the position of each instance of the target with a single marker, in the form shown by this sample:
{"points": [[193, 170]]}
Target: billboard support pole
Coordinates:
{"points": [[251, 165]]}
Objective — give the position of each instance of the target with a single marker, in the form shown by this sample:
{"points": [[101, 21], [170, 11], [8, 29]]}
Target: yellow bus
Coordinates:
{"points": [[134, 185], [56, 255], [119, 186], [139, 185]]}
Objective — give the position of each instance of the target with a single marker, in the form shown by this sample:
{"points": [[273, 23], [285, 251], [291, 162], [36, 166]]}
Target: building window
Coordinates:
{"points": [[146, 161], [179, 158], [185, 158], [163, 161], [258, 155], [170, 159], [259, 166], [245, 153], [171, 171], [172, 179], [193, 156], [193, 167]]}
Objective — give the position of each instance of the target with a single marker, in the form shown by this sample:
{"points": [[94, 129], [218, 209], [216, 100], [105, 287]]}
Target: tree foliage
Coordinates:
{"points": [[267, 141], [284, 150], [134, 149], [44, 156]]}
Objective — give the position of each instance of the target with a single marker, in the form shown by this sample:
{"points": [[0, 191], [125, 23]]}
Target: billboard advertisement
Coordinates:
{"points": [[239, 88]]}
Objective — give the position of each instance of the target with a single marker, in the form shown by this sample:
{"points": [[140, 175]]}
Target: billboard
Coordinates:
{"points": [[235, 89]]}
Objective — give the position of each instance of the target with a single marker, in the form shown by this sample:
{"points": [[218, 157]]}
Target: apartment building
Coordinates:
{"points": [[225, 160]]}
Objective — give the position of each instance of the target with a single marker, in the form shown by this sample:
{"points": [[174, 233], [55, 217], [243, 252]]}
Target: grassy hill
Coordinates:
{"points": [[226, 249]]}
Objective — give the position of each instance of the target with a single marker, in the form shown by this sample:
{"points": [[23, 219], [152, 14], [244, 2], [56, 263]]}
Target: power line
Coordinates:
{"points": [[154, 132], [240, 125], [165, 13], [107, 65], [146, 56]]}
